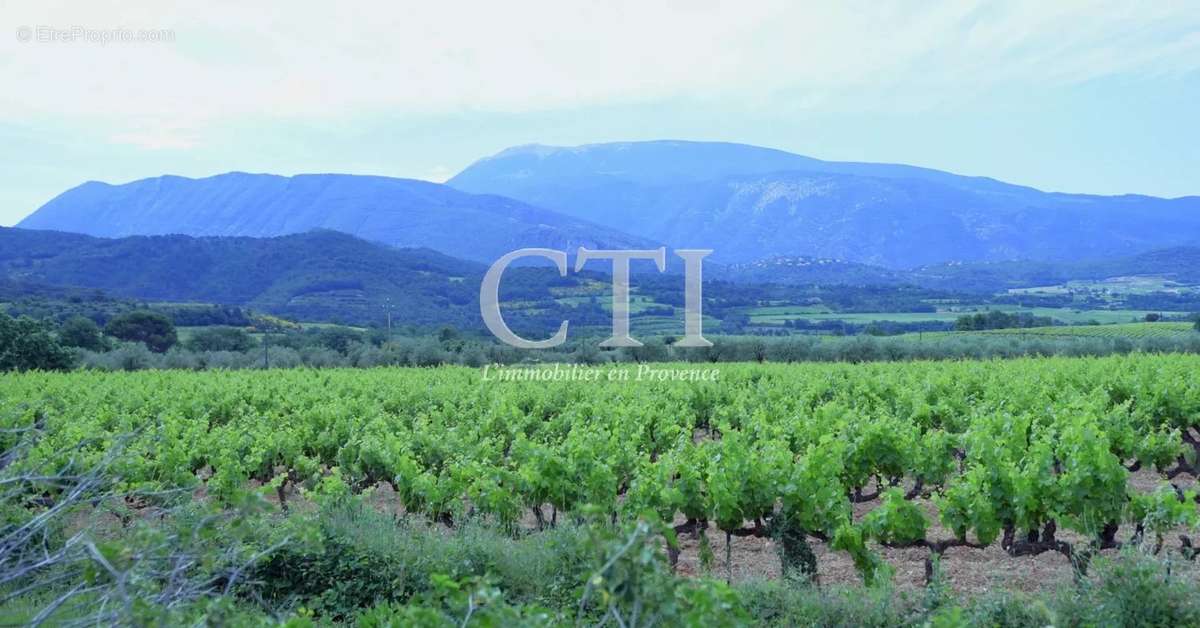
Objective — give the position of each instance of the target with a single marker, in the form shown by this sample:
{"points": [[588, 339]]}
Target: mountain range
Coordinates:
{"points": [[396, 212], [750, 203], [753, 206]]}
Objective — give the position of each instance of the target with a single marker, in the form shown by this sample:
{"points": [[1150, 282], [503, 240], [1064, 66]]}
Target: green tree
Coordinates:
{"points": [[154, 329], [447, 333], [652, 351], [26, 344], [220, 339], [339, 339], [81, 332]]}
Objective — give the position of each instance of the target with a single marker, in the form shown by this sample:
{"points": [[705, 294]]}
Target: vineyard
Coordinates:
{"points": [[1033, 455], [1121, 330]]}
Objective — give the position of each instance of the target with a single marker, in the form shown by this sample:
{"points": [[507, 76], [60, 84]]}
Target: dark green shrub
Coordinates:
{"points": [[26, 344], [81, 332], [155, 330], [220, 339]]}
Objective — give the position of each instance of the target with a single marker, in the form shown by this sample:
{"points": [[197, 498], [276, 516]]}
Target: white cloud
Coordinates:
{"points": [[311, 59]]}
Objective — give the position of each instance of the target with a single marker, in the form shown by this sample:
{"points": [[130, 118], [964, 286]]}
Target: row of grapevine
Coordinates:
{"points": [[1007, 451], [1119, 330]]}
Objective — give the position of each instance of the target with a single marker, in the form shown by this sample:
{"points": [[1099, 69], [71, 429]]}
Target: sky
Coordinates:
{"points": [[1098, 97]]}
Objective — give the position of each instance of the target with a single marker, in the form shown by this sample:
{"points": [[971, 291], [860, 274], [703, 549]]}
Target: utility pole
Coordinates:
{"points": [[267, 347], [387, 306]]}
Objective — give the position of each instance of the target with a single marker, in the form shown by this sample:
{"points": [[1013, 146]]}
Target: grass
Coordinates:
{"points": [[327, 325], [788, 310], [637, 303], [375, 555]]}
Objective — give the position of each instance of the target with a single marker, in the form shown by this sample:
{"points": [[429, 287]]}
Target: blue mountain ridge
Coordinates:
{"points": [[750, 203]]}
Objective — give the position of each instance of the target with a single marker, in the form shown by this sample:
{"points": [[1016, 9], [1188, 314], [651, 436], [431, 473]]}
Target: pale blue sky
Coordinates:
{"points": [[1093, 97]]}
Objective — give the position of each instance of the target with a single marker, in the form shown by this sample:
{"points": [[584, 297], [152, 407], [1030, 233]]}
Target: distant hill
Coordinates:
{"points": [[326, 276], [1179, 264], [397, 212], [750, 203], [320, 275]]}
